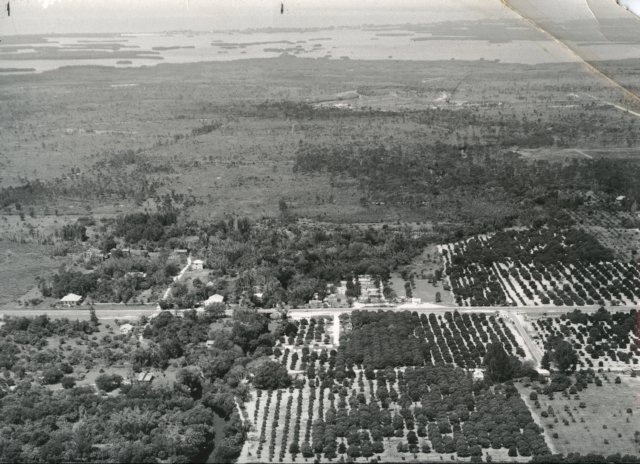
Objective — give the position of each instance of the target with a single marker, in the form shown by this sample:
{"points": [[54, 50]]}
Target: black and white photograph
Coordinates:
{"points": [[319, 231]]}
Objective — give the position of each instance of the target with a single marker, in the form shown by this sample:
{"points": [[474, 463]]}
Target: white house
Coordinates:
{"points": [[197, 265], [126, 328], [213, 299], [70, 300]]}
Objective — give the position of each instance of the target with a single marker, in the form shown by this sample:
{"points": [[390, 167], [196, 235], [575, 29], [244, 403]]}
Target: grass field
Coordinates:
{"points": [[123, 126], [20, 264], [604, 426], [422, 266]]}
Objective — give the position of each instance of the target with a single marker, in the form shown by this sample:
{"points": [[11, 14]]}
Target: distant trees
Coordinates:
{"points": [[151, 227], [72, 232]]}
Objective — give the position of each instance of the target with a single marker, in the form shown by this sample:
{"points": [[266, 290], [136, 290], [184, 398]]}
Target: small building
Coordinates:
{"points": [[478, 374], [209, 343], [93, 254], [336, 301], [197, 265], [136, 275], [70, 300], [145, 377], [181, 251], [213, 299], [315, 302], [342, 288], [126, 328]]}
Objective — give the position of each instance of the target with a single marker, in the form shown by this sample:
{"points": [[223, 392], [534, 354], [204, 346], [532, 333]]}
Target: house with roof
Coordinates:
{"points": [[197, 265], [70, 300], [213, 299]]}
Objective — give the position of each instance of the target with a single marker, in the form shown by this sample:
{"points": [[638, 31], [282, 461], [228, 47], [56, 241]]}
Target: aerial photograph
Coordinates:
{"points": [[319, 231]]}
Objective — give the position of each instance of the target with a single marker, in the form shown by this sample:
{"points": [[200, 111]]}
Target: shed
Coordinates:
{"points": [[197, 265]]}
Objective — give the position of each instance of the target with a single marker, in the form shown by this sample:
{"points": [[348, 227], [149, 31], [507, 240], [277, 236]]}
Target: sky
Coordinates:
{"points": [[68, 16]]}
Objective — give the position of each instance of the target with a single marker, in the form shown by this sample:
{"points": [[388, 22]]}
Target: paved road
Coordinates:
{"points": [[115, 311], [82, 314], [533, 310], [531, 346]]}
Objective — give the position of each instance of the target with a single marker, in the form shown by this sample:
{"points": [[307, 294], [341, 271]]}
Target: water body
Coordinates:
{"points": [[503, 39]]}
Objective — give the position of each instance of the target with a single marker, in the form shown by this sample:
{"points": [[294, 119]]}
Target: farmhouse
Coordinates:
{"points": [[213, 299], [70, 300], [197, 265]]}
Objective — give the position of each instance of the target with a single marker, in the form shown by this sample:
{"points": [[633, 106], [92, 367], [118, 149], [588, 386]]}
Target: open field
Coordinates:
{"points": [[617, 230], [20, 264], [596, 420], [422, 273], [97, 128]]}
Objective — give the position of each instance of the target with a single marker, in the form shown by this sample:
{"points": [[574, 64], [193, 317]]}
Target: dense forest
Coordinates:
{"points": [[451, 176], [290, 262], [136, 422]]}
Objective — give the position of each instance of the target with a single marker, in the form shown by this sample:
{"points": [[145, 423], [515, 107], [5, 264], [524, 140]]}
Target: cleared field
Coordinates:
{"points": [[617, 230], [596, 420], [560, 154], [20, 264], [425, 286]]}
